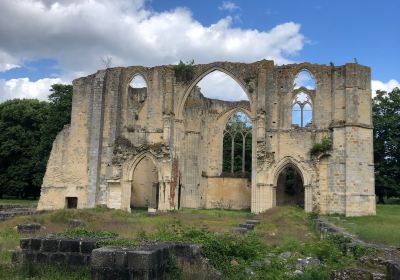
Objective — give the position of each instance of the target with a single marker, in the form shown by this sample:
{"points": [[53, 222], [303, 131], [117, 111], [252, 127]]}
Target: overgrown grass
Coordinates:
{"points": [[282, 231], [43, 272], [237, 256], [384, 228]]}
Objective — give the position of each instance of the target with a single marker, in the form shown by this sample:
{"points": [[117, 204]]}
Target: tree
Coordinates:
{"points": [[27, 130], [386, 119]]}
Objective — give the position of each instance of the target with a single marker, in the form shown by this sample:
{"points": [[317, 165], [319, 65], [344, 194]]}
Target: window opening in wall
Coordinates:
{"points": [[218, 85], [304, 79], [301, 110], [71, 202], [138, 82], [237, 143]]}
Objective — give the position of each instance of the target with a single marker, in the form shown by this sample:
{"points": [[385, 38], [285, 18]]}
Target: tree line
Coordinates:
{"points": [[28, 128]]}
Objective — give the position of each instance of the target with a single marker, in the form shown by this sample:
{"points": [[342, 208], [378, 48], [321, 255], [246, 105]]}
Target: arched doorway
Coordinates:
{"points": [[290, 187], [145, 186]]}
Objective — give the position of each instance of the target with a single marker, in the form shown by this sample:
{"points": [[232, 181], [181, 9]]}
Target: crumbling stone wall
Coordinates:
{"points": [[113, 127]]}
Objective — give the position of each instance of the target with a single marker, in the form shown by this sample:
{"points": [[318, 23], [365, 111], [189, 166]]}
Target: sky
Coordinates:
{"points": [[43, 42]]}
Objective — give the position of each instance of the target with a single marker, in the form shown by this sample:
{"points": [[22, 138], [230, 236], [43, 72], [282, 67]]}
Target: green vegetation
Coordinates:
{"points": [[383, 228], [321, 148], [84, 232], [386, 119], [43, 272], [27, 202], [27, 131], [184, 72], [268, 252]]}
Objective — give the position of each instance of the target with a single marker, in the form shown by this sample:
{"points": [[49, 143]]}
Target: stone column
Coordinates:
{"points": [[308, 198], [96, 129]]}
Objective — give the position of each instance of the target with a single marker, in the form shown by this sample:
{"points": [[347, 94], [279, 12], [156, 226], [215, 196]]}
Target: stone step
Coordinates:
{"points": [[239, 230], [4, 215], [253, 221], [248, 226]]}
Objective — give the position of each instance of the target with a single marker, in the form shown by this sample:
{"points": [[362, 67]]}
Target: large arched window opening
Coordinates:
{"points": [[302, 110], [290, 188], [237, 146]]}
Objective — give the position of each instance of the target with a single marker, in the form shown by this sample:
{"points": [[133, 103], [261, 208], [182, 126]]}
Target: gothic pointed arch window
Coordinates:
{"points": [[237, 145], [301, 110]]}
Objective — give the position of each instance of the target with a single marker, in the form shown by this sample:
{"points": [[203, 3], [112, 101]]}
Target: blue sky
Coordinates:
{"points": [[48, 41]]}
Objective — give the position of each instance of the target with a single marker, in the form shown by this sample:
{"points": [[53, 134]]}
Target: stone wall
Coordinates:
{"points": [[114, 126], [55, 250]]}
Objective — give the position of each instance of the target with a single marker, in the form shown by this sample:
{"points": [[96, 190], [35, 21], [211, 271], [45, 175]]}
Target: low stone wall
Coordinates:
{"points": [[55, 250], [228, 193], [8, 211], [389, 258], [150, 261]]}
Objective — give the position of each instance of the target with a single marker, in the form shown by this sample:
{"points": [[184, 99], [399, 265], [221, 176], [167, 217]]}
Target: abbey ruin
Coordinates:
{"points": [[165, 146]]}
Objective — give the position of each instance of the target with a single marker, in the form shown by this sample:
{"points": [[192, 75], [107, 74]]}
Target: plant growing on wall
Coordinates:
{"points": [[184, 71], [321, 148]]}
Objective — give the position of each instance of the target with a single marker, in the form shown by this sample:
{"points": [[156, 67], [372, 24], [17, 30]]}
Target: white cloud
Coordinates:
{"points": [[228, 6], [388, 86], [219, 85], [78, 33], [24, 88]]}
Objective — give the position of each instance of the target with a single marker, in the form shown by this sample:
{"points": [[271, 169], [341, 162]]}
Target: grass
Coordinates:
{"points": [[18, 201], [384, 228], [43, 272], [282, 230]]}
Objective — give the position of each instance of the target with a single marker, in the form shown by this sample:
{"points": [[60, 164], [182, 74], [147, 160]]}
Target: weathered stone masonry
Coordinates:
{"points": [[114, 127]]}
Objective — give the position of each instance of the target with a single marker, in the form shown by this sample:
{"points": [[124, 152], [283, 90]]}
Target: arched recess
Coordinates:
{"points": [[182, 100], [290, 187], [135, 96], [143, 181], [303, 172]]}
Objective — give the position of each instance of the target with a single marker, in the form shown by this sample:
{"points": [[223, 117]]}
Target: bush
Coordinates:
{"points": [[184, 71], [321, 148]]}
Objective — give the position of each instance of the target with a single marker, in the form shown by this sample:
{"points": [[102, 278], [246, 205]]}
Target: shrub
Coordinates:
{"points": [[321, 148], [184, 71]]}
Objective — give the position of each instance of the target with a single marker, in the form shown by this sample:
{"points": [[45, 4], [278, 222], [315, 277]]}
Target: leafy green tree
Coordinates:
{"points": [[386, 119], [27, 130]]}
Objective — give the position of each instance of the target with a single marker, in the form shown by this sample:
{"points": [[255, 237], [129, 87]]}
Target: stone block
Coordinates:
{"points": [[239, 230], [69, 246], [28, 228], [248, 226], [50, 245], [24, 243], [393, 271], [120, 259], [73, 223], [144, 260], [36, 244], [76, 259], [87, 246], [42, 257], [29, 257], [254, 222], [16, 256], [103, 257], [57, 258]]}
